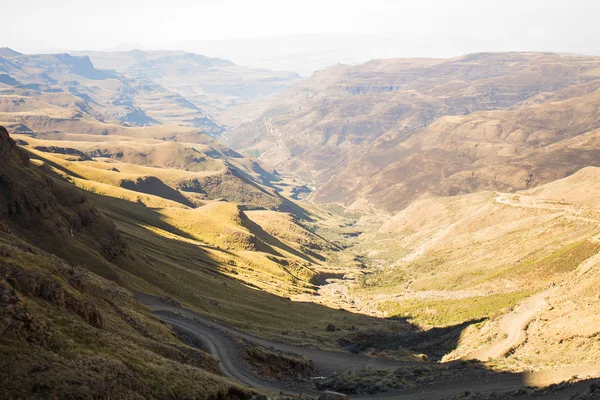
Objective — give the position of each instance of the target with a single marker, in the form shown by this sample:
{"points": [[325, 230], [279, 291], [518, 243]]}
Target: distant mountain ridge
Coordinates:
{"points": [[142, 88], [103, 94], [380, 134], [213, 84], [8, 52]]}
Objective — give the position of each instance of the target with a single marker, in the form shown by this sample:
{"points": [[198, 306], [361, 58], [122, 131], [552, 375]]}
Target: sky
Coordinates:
{"points": [[303, 35]]}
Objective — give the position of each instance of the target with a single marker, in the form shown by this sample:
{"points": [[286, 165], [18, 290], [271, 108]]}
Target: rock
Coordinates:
{"points": [[330, 328], [46, 287], [333, 396], [260, 397]]}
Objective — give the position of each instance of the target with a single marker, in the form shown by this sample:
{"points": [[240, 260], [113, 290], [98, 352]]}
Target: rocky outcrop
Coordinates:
{"points": [[50, 289], [17, 323]]}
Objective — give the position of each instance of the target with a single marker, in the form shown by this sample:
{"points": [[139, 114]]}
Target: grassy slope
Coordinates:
{"points": [[448, 260], [56, 352], [65, 331], [191, 254]]}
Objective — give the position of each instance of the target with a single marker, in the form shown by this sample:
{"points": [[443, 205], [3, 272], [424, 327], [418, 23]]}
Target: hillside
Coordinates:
{"points": [[67, 332], [94, 229], [380, 134], [468, 260]]}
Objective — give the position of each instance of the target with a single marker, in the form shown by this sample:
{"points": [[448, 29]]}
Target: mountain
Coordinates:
{"points": [[8, 52], [147, 259], [381, 134], [104, 95], [213, 84], [147, 88]]}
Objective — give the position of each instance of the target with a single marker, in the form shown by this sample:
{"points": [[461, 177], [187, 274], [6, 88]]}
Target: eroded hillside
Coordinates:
{"points": [[380, 134]]}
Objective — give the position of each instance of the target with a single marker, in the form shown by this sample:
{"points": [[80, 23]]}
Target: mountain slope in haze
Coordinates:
{"points": [[380, 134], [106, 95], [213, 84]]}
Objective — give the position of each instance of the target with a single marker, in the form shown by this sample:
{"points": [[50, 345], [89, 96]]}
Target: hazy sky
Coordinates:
{"points": [[411, 28]]}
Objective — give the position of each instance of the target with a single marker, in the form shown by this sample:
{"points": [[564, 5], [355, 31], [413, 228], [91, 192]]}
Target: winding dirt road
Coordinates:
{"points": [[513, 326], [325, 362], [216, 338]]}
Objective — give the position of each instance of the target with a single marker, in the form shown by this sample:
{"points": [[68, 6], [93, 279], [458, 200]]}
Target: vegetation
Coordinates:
{"points": [[453, 311], [561, 261], [371, 382]]}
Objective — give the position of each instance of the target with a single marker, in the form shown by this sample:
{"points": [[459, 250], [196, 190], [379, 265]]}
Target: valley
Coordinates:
{"points": [[410, 228]]}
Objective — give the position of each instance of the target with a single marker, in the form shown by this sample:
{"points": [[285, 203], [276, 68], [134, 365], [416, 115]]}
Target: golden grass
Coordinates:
{"points": [[453, 311]]}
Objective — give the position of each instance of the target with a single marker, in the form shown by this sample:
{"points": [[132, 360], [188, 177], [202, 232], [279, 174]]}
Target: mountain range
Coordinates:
{"points": [[381, 134], [177, 226], [139, 88]]}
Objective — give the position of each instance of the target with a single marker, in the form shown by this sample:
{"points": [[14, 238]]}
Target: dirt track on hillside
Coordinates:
{"points": [[216, 337], [513, 326]]}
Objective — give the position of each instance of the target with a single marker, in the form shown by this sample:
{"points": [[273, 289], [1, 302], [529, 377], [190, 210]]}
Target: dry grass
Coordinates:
{"points": [[448, 312], [132, 355]]}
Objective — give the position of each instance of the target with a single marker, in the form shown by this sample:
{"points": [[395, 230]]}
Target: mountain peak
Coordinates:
{"points": [[8, 52], [137, 53], [82, 66]]}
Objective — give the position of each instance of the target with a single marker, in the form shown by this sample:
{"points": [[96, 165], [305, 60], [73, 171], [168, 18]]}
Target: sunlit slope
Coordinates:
{"points": [[185, 173], [197, 253], [446, 250]]}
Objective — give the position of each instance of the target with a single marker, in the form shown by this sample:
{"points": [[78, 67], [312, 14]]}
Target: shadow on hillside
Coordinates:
{"points": [[53, 165], [434, 343], [189, 275], [150, 185], [457, 381], [271, 241], [181, 269]]}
